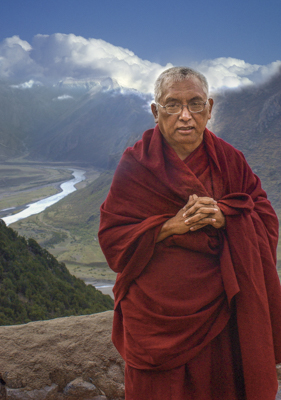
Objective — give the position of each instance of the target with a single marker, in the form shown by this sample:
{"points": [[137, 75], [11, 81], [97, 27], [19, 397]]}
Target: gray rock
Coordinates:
{"points": [[47, 393], [80, 389], [73, 354]]}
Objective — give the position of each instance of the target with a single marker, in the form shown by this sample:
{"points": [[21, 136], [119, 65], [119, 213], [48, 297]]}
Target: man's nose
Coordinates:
{"points": [[185, 113]]}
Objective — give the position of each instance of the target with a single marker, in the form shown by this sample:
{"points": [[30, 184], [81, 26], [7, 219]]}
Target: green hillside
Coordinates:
{"points": [[35, 286]]}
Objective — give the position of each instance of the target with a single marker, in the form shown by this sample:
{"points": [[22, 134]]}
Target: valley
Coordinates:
{"points": [[67, 229], [55, 228]]}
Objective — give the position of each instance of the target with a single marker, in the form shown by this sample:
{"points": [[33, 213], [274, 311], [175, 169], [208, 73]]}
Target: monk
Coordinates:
{"points": [[193, 237]]}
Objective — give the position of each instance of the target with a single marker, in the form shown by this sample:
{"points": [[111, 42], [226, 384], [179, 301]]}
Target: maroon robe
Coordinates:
{"points": [[174, 297]]}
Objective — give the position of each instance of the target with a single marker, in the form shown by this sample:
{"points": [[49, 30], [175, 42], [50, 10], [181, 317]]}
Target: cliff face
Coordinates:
{"points": [[69, 358]]}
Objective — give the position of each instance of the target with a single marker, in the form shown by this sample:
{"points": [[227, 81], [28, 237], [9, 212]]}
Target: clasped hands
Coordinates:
{"points": [[202, 211], [197, 213]]}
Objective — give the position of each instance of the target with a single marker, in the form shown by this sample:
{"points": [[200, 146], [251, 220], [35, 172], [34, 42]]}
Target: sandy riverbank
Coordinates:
{"points": [[105, 286]]}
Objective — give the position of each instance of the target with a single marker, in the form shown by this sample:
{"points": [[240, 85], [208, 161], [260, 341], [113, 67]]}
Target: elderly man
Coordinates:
{"points": [[192, 236]]}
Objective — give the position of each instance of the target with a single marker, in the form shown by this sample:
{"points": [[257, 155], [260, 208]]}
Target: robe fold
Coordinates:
{"points": [[174, 297]]}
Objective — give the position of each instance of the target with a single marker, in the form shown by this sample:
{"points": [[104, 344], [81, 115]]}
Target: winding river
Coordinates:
{"points": [[39, 206]]}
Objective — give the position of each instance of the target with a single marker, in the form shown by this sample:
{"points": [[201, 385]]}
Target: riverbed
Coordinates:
{"points": [[41, 205], [105, 286]]}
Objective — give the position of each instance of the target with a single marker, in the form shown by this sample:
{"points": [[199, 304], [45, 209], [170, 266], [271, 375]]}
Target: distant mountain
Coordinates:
{"points": [[25, 114], [87, 123], [35, 286], [250, 119], [96, 130]]}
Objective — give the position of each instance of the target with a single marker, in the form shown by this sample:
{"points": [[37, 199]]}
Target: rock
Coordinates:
{"points": [[47, 393], [69, 358], [80, 389]]}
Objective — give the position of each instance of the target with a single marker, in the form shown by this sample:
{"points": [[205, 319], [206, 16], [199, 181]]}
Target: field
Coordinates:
{"points": [[21, 184]]}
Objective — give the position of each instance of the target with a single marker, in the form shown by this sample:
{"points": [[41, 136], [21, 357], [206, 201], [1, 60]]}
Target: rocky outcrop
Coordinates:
{"points": [[68, 358]]}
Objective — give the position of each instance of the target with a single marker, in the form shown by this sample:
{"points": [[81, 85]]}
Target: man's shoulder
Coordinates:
{"points": [[135, 157], [140, 145], [226, 154], [228, 148]]}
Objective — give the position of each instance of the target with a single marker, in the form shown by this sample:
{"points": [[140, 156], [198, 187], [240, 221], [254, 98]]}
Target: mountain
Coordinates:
{"points": [[88, 123], [94, 121], [250, 120], [26, 113], [96, 130], [35, 286]]}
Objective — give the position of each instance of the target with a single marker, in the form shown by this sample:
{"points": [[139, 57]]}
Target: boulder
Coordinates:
{"points": [[69, 358]]}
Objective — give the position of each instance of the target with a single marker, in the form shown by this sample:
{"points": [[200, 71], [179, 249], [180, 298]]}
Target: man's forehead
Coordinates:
{"points": [[190, 86]]}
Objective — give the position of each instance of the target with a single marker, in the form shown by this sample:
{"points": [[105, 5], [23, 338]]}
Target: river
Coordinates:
{"points": [[39, 206]]}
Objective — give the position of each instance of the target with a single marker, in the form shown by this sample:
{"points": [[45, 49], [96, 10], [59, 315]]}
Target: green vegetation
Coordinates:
{"points": [[35, 286]]}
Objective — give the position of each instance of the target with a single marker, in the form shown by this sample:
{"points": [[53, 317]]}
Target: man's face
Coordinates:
{"points": [[183, 131]]}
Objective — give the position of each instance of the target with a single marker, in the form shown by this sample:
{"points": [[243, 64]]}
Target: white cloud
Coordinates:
{"points": [[15, 40], [64, 97], [15, 60], [75, 56], [27, 85], [70, 58], [227, 72]]}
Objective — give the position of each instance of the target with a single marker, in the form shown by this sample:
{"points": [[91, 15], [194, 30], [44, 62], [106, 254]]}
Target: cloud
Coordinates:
{"points": [[70, 58], [27, 85], [227, 72], [15, 60], [64, 97], [69, 55]]}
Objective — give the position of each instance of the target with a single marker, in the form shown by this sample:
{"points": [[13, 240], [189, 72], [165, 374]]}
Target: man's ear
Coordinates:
{"points": [[154, 112], [211, 103]]}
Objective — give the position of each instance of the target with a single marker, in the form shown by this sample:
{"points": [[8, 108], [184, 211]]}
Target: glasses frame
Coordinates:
{"points": [[184, 105]]}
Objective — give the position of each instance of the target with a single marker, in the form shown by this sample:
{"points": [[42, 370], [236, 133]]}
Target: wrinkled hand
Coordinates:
{"points": [[197, 213], [204, 211]]}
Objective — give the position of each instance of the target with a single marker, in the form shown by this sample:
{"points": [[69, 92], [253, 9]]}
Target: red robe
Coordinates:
{"points": [[174, 297]]}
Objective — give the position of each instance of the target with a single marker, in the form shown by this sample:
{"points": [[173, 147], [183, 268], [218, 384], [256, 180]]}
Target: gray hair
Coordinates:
{"points": [[177, 74]]}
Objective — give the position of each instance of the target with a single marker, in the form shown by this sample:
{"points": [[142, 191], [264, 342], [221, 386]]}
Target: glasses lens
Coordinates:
{"points": [[196, 106], [173, 108], [193, 106]]}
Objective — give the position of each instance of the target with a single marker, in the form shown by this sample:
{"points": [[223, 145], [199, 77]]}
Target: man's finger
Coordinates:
{"points": [[199, 210]]}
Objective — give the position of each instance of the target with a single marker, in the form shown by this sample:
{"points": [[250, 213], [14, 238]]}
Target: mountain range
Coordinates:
{"points": [[93, 123], [71, 123]]}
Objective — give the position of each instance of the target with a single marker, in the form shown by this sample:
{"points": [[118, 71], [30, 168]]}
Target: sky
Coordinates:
{"points": [[233, 42]]}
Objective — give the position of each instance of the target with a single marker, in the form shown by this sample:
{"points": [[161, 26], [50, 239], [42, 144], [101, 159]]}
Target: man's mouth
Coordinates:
{"points": [[185, 129]]}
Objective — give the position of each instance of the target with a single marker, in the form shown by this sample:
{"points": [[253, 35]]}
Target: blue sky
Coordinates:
{"points": [[178, 32], [159, 31]]}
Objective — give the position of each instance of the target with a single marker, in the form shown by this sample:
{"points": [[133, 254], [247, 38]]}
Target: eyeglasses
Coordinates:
{"points": [[192, 106]]}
